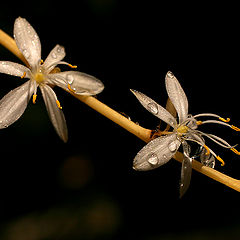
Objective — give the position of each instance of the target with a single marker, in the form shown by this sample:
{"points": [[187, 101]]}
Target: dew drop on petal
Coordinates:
{"points": [[70, 78], [153, 108], [54, 55], [153, 159], [172, 146], [26, 53]]}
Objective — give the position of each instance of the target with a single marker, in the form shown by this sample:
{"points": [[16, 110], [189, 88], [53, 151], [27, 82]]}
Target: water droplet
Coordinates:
{"points": [[59, 49], [26, 53], [153, 108], [153, 159], [70, 78], [54, 55], [172, 146], [170, 74]]}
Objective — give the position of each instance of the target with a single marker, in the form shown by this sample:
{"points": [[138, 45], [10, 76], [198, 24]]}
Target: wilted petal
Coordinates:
{"points": [[155, 108], [14, 104], [177, 96], [14, 69], [186, 171], [56, 55], [80, 83], [56, 115], [27, 41], [156, 153]]}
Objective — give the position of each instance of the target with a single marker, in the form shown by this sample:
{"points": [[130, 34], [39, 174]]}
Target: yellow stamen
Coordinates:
{"points": [[58, 104], [199, 122], [235, 151], [24, 75], [70, 89], [208, 151], [224, 120], [72, 66], [235, 128], [219, 159], [34, 98], [41, 62]]}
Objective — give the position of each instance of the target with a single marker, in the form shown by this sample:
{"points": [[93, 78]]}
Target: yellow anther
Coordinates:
{"points": [[34, 98], [70, 89], [220, 160], [58, 104], [24, 75], [235, 128], [198, 122], [72, 66], [208, 151], [41, 62], [235, 151], [224, 120]]}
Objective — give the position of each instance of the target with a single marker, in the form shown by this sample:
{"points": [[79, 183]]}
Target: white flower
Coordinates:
{"points": [[42, 75], [160, 150]]}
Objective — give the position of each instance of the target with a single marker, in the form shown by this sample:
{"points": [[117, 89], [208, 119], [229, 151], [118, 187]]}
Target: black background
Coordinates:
{"points": [[86, 188]]}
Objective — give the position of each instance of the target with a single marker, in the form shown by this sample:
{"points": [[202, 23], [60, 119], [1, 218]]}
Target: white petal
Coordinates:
{"points": [[156, 153], [56, 115], [56, 55], [14, 69], [186, 171], [14, 104], [27, 41], [81, 83], [155, 108], [177, 96]]}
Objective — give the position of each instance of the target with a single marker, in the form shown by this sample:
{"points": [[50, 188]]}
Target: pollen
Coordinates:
{"points": [[24, 75], [224, 120], [58, 104], [34, 98], [220, 160], [208, 151], [182, 129]]}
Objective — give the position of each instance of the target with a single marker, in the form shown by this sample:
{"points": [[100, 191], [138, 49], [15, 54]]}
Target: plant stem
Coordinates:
{"points": [[142, 133]]}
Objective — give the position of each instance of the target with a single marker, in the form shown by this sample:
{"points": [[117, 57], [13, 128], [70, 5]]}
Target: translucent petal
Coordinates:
{"points": [[13, 105], [14, 69], [156, 153], [177, 96], [56, 55], [80, 83], [27, 41], [155, 108], [55, 113], [186, 171]]}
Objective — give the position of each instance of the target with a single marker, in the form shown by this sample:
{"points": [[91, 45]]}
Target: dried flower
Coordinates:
{"points": [[43, 75], [160, 150]]}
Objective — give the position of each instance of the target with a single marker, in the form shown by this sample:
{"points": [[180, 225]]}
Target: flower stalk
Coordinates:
{"points": [[142, 133]]}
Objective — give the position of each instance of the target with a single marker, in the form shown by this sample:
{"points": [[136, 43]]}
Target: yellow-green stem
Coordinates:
{"points": [[142, 133]]}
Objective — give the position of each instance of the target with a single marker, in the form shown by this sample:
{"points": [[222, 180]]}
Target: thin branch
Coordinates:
{"points": [[142, 133]]}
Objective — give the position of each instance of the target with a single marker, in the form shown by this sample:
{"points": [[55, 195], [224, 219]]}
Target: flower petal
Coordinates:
{"points": [[156, 153], [186, 171], [55, 113], [14, 69], [80, 83], [27, 41], [56, 55], [177, 96], [13, 105], [155, 108]]}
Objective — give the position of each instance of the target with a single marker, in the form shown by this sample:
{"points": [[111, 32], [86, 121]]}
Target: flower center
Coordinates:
{"points": [[182, 129], [39, 77]]}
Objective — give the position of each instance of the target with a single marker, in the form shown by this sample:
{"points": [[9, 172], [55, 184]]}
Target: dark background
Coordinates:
{"points": [[86, 188]]}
